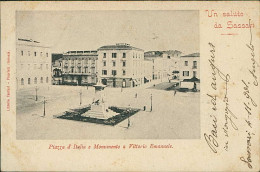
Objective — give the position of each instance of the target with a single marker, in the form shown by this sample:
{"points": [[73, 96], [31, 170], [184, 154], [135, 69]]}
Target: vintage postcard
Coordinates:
{"points": [[130, 86]]}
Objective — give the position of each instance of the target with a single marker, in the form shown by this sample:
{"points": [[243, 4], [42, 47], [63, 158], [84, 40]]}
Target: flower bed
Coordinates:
{"points": [[75, 115]]}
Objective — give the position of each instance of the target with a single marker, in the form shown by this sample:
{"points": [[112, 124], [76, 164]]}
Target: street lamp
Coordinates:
{"points": [[80, 94], [151, 102], [44, 101], [36, 96]]}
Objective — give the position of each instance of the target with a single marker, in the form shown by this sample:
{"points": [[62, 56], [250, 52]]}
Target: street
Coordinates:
{"points": [[172, 117]]}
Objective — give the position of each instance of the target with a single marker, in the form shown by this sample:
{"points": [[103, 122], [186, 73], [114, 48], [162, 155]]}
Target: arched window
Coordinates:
{"points": [[22, 81], [47, 79], [41, 79], [29, 81], [35, 80]]}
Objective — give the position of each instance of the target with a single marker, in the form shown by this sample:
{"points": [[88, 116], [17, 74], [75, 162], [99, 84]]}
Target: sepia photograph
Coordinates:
{"points": [[107, 75], [121, 86]]}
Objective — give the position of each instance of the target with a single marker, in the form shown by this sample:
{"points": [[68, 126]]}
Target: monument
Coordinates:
{"points": [[99, 107]]}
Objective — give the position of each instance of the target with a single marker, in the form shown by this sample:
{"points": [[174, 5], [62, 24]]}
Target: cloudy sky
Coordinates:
{"points": [[89, 30]]}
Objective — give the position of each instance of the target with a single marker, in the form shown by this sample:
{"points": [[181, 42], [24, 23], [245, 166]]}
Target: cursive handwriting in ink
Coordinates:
{"points": [[248, 159], [252, 49], [249, 104], [211, 138]]}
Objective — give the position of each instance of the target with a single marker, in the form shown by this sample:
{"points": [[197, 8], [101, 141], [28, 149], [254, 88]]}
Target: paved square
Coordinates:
{"points": [[172, 117]]}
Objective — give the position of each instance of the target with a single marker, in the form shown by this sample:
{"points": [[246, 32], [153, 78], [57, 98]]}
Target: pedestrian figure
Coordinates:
{"points": [[195, 86], [128, 124], [175, 92]]}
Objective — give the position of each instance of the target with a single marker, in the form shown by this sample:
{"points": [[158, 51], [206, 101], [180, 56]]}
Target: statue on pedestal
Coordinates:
{"points": [[99, 107]]}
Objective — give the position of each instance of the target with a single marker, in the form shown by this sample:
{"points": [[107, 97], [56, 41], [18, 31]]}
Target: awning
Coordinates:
{"points": [[193, 79]]}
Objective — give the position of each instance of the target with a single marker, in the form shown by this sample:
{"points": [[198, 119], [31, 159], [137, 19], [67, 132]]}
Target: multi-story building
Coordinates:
{"points": [[172, 63], [157, 63], [148, 70], [189, 66], [56, 68], [33, 64], [121, 65], [79, 68], [163, 63]]}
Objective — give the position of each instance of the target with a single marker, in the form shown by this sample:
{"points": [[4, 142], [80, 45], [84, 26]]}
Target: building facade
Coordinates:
{"points": [[79, 68], [121, 65], [163, 63], [33, 64], [56, 69], [190, 66]]}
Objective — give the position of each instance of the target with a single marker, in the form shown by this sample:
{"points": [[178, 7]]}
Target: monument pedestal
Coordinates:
{"points": [[100, 111]]}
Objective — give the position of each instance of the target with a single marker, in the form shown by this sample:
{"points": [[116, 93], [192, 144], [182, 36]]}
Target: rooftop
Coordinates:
{"points": [[119, 46], [160, 53], [153, 54], [30, 42], [81, 53], [192, 55]]}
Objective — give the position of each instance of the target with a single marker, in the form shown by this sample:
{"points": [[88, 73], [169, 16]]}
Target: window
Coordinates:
{"points": [[72, 69], [47, 79], [86, 70], [28, 66], [113, 55], [104, 63], [29, 81], [41, 53], [114, 63], [104, 55], [194, 74], [47, 66], [123, 72], [47, 54], [186, 63], [41, 79], [104, 72], [194, 65], [168, 57], [185, 73], [22, 81], [41, 67], [124, 63], [79, 69], [29, 53], [124, 55], [21, 53], [35, 80], [114, 72], [35, 53]]}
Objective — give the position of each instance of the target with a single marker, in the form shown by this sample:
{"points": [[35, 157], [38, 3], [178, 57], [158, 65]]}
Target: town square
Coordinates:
{"points": [[128, 87]]}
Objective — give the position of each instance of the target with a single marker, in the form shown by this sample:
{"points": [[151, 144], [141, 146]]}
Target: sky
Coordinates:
{"points": [[88, 30]]}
